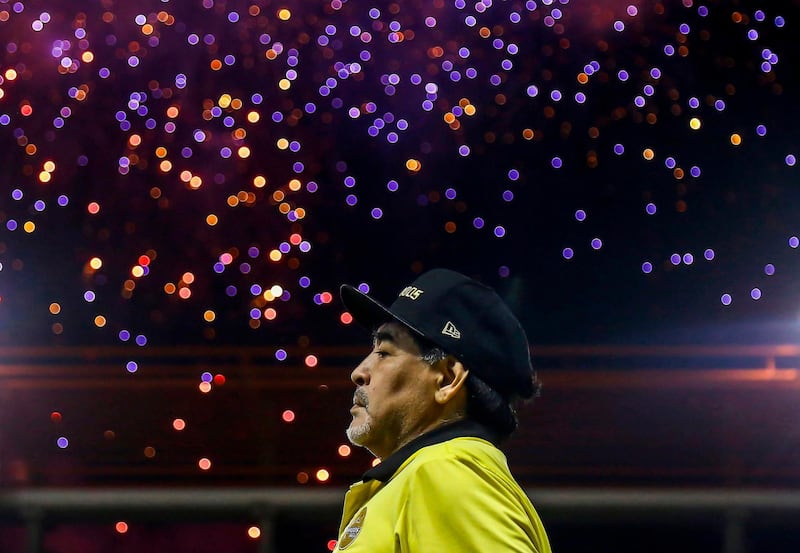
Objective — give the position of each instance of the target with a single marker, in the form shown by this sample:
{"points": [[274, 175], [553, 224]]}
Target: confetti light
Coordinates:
{"points": [[121, 527], [251, 158]]}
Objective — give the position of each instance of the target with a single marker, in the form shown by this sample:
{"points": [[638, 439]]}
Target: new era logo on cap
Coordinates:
{"points": [[451, 330]]}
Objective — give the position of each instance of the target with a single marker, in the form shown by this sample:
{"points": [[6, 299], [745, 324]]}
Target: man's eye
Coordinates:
{"points": [[381, 353]]}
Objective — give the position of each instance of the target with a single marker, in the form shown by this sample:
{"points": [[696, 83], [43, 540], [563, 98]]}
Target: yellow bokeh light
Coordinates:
{"points": [[470, 109], [204, 387], [224, 101], [49, 166], [282, 143], [413, 165], [284, 14], [259, 181], [29, 226], [275, 255], [295, 185], [253, 117], [694, 123], [284, 84], [11, 74], [95, 263], [254, 532], [323, 475], [195, 182], [244, 152], [44, 176], [137, 271]]}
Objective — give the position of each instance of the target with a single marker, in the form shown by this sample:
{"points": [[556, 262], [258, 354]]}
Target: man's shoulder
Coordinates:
{"points": [[467, 455]]}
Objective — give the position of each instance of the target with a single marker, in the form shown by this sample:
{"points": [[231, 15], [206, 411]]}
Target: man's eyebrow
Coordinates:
{"points": [[380, 336]]}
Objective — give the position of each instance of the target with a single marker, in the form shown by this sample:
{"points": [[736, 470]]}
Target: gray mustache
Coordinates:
{"points": [[360, 397]]}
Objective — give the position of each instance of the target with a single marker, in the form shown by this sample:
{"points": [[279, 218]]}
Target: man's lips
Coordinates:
{"points": [[359, 399]]}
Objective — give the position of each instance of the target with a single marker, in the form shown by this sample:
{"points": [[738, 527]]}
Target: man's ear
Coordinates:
{"points": [[450, 380]]}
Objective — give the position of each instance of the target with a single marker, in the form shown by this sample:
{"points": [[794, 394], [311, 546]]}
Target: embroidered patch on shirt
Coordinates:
{"points": [[353, 529]]}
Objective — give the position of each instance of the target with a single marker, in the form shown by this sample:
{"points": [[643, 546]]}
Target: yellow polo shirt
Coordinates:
{"points": [[447, 491]]}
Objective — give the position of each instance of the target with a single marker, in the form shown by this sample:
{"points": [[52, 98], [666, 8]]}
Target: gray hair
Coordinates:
{"points": [[484, 403]]}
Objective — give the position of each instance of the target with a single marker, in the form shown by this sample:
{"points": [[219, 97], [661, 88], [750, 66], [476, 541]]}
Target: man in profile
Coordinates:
{"points": [[433, 401]]}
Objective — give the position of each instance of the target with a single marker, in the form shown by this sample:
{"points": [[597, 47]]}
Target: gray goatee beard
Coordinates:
{"points": [[356, 434]]}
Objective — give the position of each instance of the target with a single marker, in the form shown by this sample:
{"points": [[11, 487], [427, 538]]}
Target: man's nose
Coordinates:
{"points": [[360, 375]]}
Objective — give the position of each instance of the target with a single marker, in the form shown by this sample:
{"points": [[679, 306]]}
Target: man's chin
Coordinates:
{"points": [[358, 433]]}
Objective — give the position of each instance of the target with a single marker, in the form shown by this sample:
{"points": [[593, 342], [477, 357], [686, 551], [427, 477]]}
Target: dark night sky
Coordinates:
{"points": [[743, 205]]}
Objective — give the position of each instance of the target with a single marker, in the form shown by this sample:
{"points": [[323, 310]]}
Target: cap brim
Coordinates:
{"points": [[368, 312]]}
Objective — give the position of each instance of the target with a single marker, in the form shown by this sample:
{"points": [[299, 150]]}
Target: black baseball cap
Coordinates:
{"points": [[463, 317]]}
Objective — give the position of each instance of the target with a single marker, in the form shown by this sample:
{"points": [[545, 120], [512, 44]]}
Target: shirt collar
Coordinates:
{"points": [[459, 429]]}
